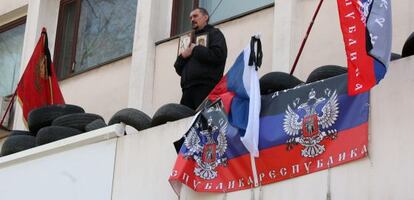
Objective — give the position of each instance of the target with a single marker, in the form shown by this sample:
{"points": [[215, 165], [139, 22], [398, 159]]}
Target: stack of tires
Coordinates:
{"points": [[55, 122], [51, 123], [140, 121]]}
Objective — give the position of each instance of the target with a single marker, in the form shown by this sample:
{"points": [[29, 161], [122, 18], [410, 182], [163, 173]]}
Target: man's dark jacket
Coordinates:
{"points": [[206, 64]]}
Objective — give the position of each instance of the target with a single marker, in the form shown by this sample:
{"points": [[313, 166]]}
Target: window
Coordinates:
{"points": [[92, 33], [218, 9], [11, 45]]}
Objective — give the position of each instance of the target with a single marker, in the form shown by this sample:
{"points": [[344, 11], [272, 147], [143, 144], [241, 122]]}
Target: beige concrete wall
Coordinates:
{"points": [[150, 26], [325, 43], [403, 23], [144, 160], [103, 90], [237, 32], [166, 82]]}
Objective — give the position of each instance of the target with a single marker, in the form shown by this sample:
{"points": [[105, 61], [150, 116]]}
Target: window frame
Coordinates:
{"points": [[174, 15], [59, 38], [59, 34], [13, 24]]}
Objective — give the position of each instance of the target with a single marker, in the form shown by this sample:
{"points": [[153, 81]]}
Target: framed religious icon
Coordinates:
{"points": [[202, 40], [184, 41]]}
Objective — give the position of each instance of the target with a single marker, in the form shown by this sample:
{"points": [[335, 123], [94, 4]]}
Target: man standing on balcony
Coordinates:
{"points": [[201, 65]]}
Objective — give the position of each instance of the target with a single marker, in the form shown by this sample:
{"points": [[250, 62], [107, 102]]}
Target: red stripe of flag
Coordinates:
{"points": [[361, 74], [38, 85]]}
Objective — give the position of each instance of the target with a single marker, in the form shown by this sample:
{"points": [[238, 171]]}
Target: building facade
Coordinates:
{"points": [[120, 53]]}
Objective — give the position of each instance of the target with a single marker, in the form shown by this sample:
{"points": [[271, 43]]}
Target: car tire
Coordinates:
{"points": [[76, 120], [132, 117], [277, 81], [20, 132], [325, 72], [408, 49], [53, 133], [42, 117], [171, 112], [17, 143], [96, 124]]}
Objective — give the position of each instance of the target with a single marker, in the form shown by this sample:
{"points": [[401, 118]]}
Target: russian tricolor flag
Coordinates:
{"points": [[240, 92], [367, 31]]}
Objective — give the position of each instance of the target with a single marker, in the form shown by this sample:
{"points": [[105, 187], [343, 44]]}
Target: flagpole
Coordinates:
{"points": [[306, 38], [254, 170], [8, 108], [51, 90]]}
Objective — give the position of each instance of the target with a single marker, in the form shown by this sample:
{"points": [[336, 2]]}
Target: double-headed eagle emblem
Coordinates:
{"points": [[308, 123], [364, 9], [207, 143]]}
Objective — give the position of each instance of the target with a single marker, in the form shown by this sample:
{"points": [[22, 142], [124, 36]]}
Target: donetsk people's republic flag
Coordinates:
{"points": [[367, 31], [311, 128], [212, 158], [302, 130]]}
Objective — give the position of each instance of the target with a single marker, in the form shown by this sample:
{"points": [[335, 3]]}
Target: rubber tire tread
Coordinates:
{"points": [[17, 143], [20, 132], [53, 133], [76, 120], [171, 112], [132, 117], [277, 81], [324, 72], [42, 117], [95, 124]]}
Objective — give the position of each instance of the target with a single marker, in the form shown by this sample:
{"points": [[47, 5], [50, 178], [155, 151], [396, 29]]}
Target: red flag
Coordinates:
{"points": [[367, 31], [39, 86]]}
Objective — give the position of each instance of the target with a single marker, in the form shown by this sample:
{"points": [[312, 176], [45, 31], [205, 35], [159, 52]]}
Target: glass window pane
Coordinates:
{"points": [[183, 13], [223, 9], [11, 44], [106, 31], [64, 62]]}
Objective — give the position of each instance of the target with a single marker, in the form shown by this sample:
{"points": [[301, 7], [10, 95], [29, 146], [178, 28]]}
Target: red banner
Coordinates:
{"points": [[38, 85], [366, 28]]}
